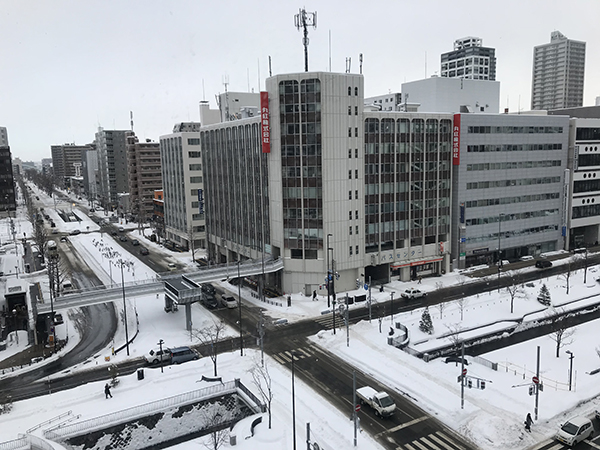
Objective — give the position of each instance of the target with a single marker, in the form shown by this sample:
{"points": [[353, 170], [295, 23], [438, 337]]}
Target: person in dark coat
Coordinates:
{"points": [[528, 422], [107, 391]]}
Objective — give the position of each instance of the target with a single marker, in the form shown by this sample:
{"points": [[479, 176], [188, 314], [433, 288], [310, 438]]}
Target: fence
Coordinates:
{"points": [[259, 406], [15, 444], [526, 374], [60, 432], [484, 362]]}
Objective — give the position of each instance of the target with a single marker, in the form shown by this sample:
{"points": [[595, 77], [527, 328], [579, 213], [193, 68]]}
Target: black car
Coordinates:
{"points": [[543, 264], [208, 288], [144, 251], [122, 238], [135, 242], [209, 301]]}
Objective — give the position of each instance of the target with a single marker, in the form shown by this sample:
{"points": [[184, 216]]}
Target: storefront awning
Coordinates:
{"points": [[395, 266]]}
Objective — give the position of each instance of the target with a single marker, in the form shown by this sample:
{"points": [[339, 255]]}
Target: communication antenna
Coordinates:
{"points": [[348, 64], [360, 60], [303, 20], [225, 83], [131, 119]]}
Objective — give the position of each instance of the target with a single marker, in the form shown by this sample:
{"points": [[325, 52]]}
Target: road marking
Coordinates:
{"points": [[421, 446], [404, 425], [589, 442], [307, 354], [441, 442], [543, 444], [431, 444], [278, 359], [409, 447], [443, 436]]}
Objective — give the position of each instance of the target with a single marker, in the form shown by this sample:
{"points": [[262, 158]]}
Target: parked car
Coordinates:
{"points": [[157, 355], [121, 229], [209, 301], [54, 231], [183, 354], [413, 293], [144, 251], [526, 258], [75, 232], [229, 301], [543, 264], [575, 430]]}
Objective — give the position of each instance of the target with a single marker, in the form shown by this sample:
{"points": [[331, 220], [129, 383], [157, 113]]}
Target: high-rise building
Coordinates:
{"points": [[66, 160], [181, 163], [89, 171], [558, 72], [112, 165], [470, 60], [7, 185], [3, 137], [144, 176]]}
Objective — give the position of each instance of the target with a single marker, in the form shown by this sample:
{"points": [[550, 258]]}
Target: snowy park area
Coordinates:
{"points": [[492, 418]]}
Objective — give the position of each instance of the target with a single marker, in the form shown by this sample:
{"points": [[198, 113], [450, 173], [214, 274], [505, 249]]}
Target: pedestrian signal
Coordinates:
{"points": [[531, 389], [482, 385]]}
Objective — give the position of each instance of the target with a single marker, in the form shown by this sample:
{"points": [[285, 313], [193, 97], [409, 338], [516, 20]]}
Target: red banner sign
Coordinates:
{"points": [[456, 141], [265, 128]]}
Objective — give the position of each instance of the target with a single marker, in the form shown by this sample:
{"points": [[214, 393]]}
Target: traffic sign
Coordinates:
{"points": [[366, 286], [536, 380], [357, 408], [464, 372]]}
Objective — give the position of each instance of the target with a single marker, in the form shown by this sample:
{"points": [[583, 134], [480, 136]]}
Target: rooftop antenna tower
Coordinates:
{"points": [[131, 119], [348, 64], [225, 83], [304, 20], [360, 59]]}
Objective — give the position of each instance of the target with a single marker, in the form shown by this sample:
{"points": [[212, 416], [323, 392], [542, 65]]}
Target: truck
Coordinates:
{"points": [[381, 402]]}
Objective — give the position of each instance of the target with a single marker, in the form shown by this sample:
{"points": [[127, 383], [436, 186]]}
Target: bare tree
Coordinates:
{"points": [[209, 337], [454, 335], [566, 276], [561, 334], [462, 304], [515, 290], [191, 236], [262, 380], [213, 417], [441, 307]]}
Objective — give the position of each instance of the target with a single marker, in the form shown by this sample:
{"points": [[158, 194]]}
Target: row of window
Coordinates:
{"points": [[513, 165], [514, 233], [515, 216], [304, 172], [511, 148], [580, 212], [507, 183], [510, 200], [513, 130], [306, 192], [586, 186]]}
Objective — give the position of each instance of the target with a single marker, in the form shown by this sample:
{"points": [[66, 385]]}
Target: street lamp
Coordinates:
{"points": [[392, 308], [499, 250], [328, 273], [240, 306], [571, 356], [121, 262], [293, 400], [160, 343]]}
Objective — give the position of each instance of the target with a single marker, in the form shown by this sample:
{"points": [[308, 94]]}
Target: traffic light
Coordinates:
{"points": [[469, 383], [357, 283], [531, 389], [482, 385]]}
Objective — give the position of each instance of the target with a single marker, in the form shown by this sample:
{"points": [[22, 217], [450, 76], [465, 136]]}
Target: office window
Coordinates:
{"points": [[356, 132], [195, 179], [349, 215], [356, 110], [193, 141], [356, 229], [349, 110], [356, 214], [349, 153], [350, 174], [350, 250], [349, 195], [356, 194], [356, 91], [350, 231], [349, 131], [349, 90], [357, 249], [356, 153], [356, 174]]}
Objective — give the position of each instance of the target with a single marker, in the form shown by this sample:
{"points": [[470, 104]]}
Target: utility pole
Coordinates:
{"points": [[355, 416], [462, 380], [537, 387], [348, 323]]}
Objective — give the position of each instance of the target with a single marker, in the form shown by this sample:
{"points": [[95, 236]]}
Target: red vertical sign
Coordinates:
{"points": [[456, 141], [265, 128]]}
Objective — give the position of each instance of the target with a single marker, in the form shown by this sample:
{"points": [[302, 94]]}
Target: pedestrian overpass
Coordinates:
{"points": [[104, 294]]}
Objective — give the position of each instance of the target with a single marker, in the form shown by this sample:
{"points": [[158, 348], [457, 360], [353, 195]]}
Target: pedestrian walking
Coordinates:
{"points": [[528, 422], [419, 280], [314, 295], [107, 391]]}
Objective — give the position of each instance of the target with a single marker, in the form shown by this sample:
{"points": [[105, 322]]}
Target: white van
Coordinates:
{"points": [[67, 286], [575, 430]]}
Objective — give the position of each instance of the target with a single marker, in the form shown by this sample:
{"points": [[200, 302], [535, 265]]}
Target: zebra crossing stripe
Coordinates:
{"points": [[447, 439], [278, 359], [306, 354], [431, 444], [442, 443], [408, 446], [421, 446]]}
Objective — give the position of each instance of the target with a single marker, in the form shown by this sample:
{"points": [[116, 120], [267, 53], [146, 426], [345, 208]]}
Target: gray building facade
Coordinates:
{"points": [[509, 187], [113, 175]]}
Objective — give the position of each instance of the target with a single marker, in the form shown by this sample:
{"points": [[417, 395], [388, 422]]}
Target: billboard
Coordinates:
{"points": [[456, 140], [265, 128]]}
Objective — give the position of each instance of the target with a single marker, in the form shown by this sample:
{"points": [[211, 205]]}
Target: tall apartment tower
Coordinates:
{"points": [[66, 160], [558, 71], [112, 165], [470, 60], [7, 188], [144, 176]]}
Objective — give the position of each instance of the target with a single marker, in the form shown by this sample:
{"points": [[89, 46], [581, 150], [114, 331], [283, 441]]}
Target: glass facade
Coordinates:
{"points": [[407, 182], [301, 166]]}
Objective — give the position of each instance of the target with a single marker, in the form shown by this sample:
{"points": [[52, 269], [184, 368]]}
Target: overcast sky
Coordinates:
{"points": [[69, 66]]}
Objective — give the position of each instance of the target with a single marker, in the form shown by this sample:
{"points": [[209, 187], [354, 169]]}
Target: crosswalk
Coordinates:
{"points": [[433, 441], [327, 321], [286, 357]]}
